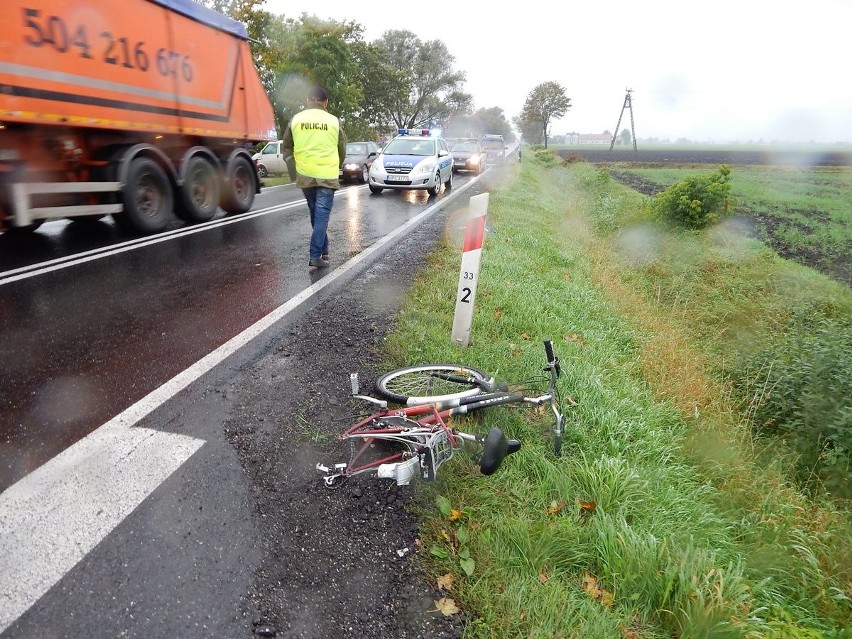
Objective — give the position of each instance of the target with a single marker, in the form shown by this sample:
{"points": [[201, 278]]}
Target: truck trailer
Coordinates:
{"points": [[137, 109]]}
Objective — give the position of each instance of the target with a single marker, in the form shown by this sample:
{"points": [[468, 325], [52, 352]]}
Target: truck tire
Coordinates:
{"points": [[240, 186], [147, 197], [200, 193]]}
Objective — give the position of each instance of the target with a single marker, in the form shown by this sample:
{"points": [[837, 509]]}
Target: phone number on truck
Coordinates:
{"points": [[53, 32]]}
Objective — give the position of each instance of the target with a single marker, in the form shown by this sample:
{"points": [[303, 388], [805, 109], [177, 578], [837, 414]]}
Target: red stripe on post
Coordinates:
{"points": [[473, 234]]}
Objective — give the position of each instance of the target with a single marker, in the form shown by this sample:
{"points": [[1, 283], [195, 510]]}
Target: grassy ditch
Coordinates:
{"points": [[667, 515], [804, 213]]}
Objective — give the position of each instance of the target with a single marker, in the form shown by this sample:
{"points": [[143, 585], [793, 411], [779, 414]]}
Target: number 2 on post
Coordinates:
{"points": [[469, 275]]}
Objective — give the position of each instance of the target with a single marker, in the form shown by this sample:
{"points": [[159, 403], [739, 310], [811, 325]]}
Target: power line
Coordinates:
{"points": [[628, 104]]}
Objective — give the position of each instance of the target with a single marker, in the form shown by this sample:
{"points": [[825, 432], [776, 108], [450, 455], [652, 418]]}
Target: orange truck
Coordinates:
{"points": [[139, 109]]}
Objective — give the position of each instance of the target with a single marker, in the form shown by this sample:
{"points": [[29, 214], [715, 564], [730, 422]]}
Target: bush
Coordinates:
{"points": [[571, 158], [803, 398], [696, 201], [546, 157]]}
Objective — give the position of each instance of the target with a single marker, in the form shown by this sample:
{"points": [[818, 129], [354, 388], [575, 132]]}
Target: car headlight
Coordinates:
{"points": [[377, 164], [427, 166], [474, 158], [351, 166]]}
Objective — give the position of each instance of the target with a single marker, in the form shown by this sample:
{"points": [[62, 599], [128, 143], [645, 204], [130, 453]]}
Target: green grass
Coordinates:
{"points": [[803, 210], [748, 147], [275, 180], [666, 516]]}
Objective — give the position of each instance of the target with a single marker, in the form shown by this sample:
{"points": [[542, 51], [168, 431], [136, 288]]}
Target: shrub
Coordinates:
{"points": [[571, 158], [696, 201], [546, 156], [802, 397]]}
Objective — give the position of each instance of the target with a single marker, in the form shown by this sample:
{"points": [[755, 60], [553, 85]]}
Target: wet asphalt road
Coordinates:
{"points": [[84, 341], [92, 322]]}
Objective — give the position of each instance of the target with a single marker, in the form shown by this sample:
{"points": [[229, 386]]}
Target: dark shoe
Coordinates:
{"points": [[318, 262], [325, 257]]}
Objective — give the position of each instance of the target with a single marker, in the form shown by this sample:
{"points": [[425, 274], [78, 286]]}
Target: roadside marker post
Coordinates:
{"points": [[469, 275]]}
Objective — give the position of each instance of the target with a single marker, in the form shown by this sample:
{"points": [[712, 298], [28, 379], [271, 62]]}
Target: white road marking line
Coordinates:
{"points": [[53, 517], [25, 272], [56, 515]]}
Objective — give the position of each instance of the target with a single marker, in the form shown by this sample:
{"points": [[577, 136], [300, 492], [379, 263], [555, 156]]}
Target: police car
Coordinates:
{"points": [[414, 159]]}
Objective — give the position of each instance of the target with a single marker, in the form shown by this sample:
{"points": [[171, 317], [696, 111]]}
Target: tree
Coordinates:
{"points": [[425, 90], [323, 56], [530, 131], [242, 10], [307, 51], [544, 103], [626, 138], [381, 84], [396, 82], [494, 121], [261, 27], [465, 125]]}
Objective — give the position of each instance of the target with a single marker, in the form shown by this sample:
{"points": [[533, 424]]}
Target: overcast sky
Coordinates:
{"points": [[722, 70]]}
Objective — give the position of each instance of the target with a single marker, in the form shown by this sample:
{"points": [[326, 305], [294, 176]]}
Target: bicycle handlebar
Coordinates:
{"points": [[548, 350], [552, 360]]}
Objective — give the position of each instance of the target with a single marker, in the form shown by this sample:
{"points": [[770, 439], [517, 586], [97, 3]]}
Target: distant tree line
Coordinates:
{"points": [[396, 81]]}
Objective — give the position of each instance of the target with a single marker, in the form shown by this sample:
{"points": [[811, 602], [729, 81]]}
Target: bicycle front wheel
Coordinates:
{"points": [[430, 383]]}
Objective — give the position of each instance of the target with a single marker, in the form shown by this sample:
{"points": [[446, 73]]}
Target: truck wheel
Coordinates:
{"points": [[240, 186], [200, 193], [147, 197]]}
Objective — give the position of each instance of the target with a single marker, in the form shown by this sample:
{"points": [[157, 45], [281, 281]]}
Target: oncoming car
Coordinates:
{"points": [[413, 160], [468, 155], [494, 147], [359, 157]]}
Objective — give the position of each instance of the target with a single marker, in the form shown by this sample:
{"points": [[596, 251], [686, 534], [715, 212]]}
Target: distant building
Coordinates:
{"points": [[594, 138]]}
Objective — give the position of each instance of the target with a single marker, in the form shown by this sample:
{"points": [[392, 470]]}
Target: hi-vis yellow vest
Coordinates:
{"points": [[315, 136]]}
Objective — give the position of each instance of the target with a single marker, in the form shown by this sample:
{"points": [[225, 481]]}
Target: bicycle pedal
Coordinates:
{"points": [[326, 469]]}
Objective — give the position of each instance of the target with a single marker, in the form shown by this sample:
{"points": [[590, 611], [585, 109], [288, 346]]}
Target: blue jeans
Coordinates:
{"points": [[320, 200]]}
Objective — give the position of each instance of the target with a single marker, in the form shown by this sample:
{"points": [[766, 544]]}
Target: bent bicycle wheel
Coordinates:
{"points": [[429, 383]]}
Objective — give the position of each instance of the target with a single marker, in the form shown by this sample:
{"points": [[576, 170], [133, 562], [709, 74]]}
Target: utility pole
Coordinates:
{"points": [[627, 105]]}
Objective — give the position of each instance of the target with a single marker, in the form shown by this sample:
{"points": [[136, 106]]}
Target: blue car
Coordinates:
{"points": [[414, 159]]}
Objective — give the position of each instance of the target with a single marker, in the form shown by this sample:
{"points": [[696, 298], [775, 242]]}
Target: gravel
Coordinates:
{"points": [[336, 562]]}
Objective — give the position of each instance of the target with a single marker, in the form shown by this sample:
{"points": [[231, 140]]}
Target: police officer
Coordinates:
{"points": [[315, 147]]}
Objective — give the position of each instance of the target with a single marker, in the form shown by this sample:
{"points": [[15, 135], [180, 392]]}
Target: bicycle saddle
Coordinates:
{"points": [[495, 447]]}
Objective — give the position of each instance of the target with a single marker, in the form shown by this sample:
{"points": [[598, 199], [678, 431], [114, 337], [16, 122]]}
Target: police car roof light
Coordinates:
{"points": [[421, 132]]}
